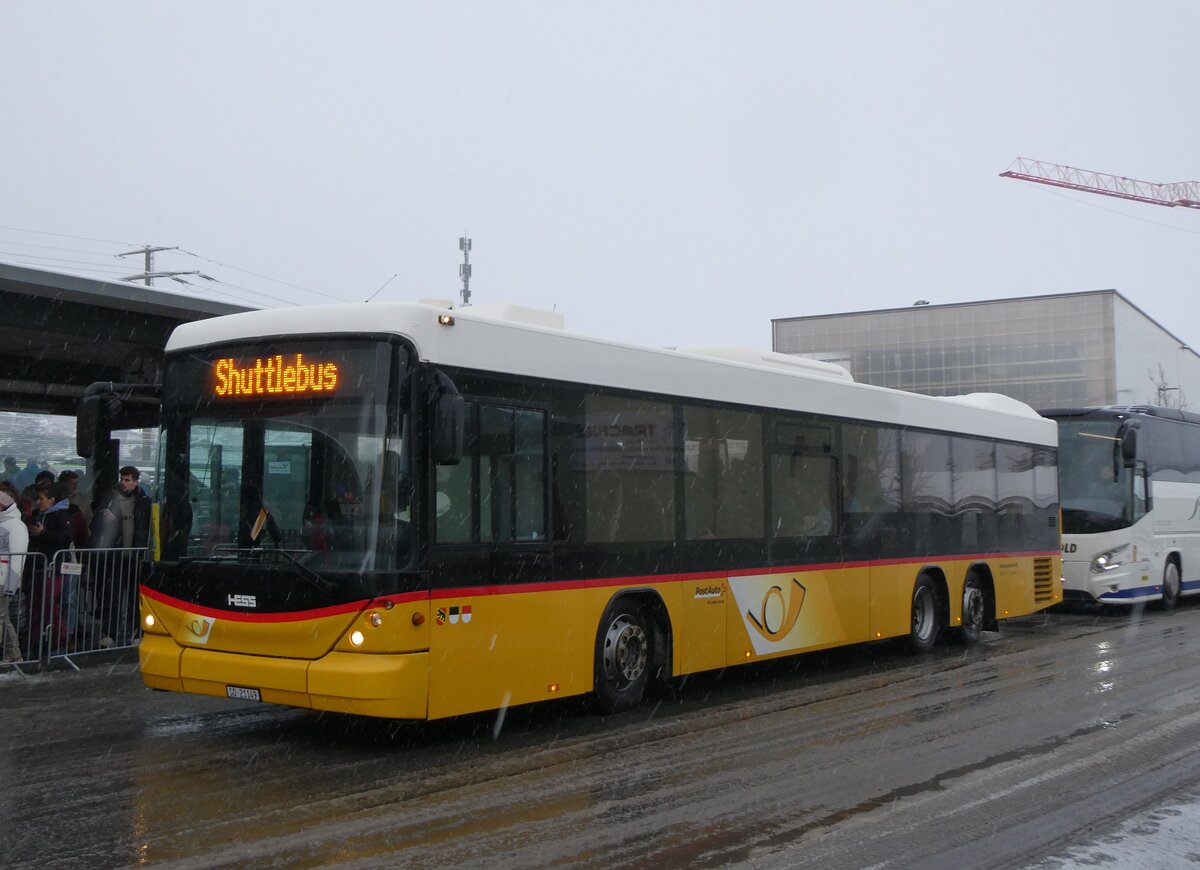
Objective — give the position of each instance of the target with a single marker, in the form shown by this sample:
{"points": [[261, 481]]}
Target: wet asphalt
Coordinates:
{"points": [[1045, 736]]}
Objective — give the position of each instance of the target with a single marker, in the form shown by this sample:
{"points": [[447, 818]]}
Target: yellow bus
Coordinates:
{"points": [[411, 511]]}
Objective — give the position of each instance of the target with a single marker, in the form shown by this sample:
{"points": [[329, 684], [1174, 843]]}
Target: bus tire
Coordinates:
{"points": [[974, 611], [623, 656], [924, 631], [1170, 585]]}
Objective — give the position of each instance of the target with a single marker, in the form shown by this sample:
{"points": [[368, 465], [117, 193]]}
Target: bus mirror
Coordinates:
{"points": [[449, 411], [1129, 445], [87, 425]]}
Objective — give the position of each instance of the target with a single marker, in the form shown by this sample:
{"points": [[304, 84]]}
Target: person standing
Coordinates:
{"points": [[14, 542], [25, 476], [49, 533], [122, 517], [81, 510], [122, 521]]}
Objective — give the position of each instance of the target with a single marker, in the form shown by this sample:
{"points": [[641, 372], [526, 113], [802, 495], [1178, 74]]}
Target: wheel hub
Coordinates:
{"points": [[625, 651], [972, 607]]}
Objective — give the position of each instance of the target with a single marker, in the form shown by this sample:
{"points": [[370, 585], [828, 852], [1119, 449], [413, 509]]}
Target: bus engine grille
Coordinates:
{"points": [[1043, 580]]}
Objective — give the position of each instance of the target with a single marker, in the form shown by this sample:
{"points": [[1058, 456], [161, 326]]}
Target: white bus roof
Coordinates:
{"points": [[512, 340]]}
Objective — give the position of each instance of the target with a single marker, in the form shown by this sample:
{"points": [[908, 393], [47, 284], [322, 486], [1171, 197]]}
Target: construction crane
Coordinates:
{"points": [[1179, 193]]}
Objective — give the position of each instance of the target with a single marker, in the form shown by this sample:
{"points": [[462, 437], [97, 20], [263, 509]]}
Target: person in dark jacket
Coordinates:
{"points": [[122, 520], [122, 516], [49, 532], [50, 529]]}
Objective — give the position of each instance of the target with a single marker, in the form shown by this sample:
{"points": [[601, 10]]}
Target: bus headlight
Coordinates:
{"points": [[1109, 560], [356, 637]]}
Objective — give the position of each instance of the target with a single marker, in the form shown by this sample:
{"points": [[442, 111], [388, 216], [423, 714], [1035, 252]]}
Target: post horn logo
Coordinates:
{"points": [[199, 627], [770, 624]]}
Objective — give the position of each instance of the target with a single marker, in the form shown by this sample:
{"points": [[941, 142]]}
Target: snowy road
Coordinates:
{"points": [[1065, 738]]}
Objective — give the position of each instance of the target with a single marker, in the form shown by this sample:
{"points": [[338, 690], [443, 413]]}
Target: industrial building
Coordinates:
{"points": [[1069, 349]]}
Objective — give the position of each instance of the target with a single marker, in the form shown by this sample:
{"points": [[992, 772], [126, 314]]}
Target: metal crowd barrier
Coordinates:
{"points": [[76, 603]]}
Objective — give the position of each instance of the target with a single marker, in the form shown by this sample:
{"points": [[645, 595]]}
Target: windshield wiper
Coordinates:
{"points": [[316, 580], [321, 584]]}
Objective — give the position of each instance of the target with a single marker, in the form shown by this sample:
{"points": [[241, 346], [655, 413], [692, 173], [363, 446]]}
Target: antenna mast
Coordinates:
{"points": [[464, 270]]}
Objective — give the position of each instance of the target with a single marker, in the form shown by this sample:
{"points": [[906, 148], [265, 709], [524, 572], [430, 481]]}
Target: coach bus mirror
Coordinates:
{"points": [[1129, 445], [446, 437], [87, 425]]}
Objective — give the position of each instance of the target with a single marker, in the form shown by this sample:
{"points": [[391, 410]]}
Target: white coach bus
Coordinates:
{"points": [[1130, 492]]}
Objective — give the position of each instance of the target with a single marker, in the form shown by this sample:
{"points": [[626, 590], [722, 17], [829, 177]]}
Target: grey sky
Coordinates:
{"points": [[661, 173]]}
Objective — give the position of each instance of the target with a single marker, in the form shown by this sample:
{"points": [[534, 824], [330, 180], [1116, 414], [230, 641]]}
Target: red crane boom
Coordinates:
{"points": [[1181, 193]]}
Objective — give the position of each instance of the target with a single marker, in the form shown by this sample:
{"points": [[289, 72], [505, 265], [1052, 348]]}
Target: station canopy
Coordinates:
{"points": [[61, 332]]}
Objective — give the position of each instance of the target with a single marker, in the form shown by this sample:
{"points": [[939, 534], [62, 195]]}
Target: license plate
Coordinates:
{"points": [[243, 694]]}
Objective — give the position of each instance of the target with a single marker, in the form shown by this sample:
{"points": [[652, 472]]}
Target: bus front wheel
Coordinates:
{"points": [[623, 656], [924, 631]]}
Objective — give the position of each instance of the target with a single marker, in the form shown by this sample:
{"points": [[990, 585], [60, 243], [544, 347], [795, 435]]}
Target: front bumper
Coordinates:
{"points": [[394, 686]]}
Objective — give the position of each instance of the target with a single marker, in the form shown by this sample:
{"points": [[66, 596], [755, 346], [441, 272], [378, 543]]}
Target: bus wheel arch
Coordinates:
{"points": [[1171, 582], [978, 606], [929, 610], [632, 649]]}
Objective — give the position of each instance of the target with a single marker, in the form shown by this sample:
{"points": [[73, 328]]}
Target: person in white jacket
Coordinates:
{"points": [[14, 544]]}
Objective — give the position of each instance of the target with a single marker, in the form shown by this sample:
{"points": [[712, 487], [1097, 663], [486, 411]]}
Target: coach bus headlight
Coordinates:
{"points": [[356, 637], [374, 619], [1109, 560]]}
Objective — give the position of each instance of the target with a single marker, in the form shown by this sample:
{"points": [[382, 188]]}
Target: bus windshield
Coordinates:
{"points": [[289, 450], [1095, 487]]}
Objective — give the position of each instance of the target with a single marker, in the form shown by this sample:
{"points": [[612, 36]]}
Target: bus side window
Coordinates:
{"points": [[497, 493], [802, 491]]}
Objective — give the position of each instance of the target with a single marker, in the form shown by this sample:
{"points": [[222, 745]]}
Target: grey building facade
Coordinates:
{"points": [[1071, 349]]}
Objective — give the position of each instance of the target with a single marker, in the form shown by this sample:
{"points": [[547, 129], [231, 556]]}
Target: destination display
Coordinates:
{"points": [[278, 371], [278, 375]]}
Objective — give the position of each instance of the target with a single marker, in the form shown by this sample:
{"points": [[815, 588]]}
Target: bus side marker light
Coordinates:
{"points": [[749, 653], [356, 637], [552, 688], [418, 619]]}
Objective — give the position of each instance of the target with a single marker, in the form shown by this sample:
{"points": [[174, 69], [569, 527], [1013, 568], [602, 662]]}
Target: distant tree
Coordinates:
{"points": [[1167, 395]]}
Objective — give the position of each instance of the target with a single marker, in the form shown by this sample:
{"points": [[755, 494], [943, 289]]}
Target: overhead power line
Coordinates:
{"points": [[66, 236]]}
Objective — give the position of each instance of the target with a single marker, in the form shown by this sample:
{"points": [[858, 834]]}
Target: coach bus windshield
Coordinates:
{"points": [[285, 452], [1096, 489]]}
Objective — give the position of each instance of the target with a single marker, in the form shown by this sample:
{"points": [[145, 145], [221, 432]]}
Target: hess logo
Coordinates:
{"points": [[241, 601], [779, 612]]}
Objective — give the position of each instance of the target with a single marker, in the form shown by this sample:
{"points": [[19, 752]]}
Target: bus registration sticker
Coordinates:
{"points": [[241, 693]]}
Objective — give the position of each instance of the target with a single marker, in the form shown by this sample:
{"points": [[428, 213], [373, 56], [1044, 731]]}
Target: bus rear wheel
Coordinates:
{"points": [[623, 657], [1170, 585], [924, 631], [974, 611]]}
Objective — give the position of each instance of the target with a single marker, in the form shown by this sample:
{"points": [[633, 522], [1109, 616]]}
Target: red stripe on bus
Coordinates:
{"points": [[289, 616]]}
